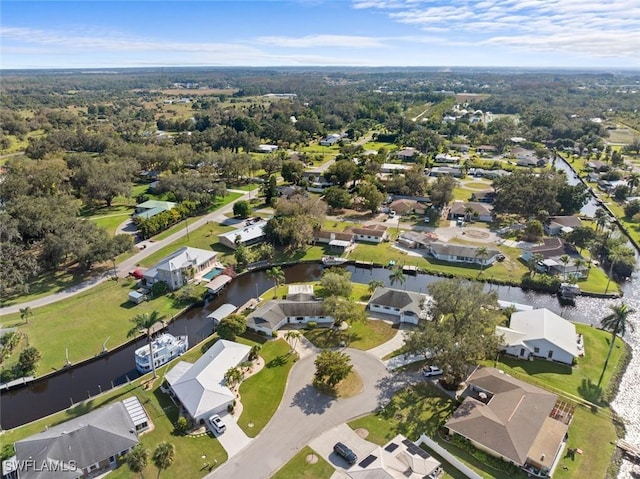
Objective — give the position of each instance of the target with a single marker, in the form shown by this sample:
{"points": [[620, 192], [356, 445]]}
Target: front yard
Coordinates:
{"points": [[299, 468], [359, 335]]}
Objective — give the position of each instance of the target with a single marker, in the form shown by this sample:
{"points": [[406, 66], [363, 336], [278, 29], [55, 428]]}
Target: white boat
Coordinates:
{"points": [[333, 260], [165, 348]]}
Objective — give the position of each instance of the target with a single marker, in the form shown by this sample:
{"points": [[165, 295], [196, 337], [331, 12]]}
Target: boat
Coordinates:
{"points": [[165, 348], [567, 293], [333, 260]]}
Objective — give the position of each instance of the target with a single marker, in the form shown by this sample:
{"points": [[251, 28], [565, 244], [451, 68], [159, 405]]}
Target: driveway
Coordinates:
{"points": [[233, 439], [304, 414], [323, 445]]}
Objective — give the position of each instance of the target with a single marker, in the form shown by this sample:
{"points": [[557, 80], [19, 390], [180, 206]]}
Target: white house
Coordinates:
{"points": [[455, 253], [330, 140], [370, 234], [246, 235], [556, 225], [267, 148], [274, 314], [408, 306], [200, 387], [179, 267], [540, 333]]}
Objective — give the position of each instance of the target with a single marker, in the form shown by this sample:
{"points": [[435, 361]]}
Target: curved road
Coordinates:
{"points": [[305, 414], [128, 264]]}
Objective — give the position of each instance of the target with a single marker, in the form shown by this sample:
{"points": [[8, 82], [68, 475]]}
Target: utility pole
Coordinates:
{"points": [[186, 225]]}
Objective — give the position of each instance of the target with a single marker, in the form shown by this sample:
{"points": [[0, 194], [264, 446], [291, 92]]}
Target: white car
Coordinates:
{"points": [[430, 371], [218, 425], [427, 219]]}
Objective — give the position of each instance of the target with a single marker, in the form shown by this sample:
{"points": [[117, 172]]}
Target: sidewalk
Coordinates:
{"points": [[127, 265]]}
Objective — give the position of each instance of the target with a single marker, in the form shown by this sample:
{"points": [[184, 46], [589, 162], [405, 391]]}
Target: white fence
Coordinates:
{"points": [[464, 469]]}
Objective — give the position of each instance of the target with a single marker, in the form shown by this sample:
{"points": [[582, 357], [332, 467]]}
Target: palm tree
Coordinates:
{"points": [[164, 455], [579, 263], [292, 336], [25, 314], [601, 217], [397, 276], [468, 211], [633, 181], [375, 284], [615, 255], [564, 259], [233, 376], [617, 322], [137, 459], [277, 276], [482, 253], [143, 323]]}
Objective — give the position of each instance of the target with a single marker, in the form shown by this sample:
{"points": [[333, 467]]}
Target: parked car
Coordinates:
{"points": [[218, 425], [430, 371], [345, 453], [392, 214], [427, 219]]}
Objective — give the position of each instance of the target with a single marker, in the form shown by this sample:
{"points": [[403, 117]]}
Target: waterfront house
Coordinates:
{"points": [[299, 310], [556, 225], [180, 267], [512, 420], [337, 241], [370, 233], [407, 306], [540, 333], [246, 235], [454, 253]]}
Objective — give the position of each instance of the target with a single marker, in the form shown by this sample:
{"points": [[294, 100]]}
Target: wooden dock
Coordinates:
{"points": [[410, 269], [364, 264], [631, 451]]}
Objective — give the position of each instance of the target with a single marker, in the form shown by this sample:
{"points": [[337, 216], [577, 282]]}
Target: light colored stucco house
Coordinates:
{"points": [[408, 306], [455, 253], [180, 266], [540, 333]]}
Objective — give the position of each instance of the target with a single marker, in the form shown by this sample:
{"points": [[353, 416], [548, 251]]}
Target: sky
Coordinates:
{"points": [[437, 33]]}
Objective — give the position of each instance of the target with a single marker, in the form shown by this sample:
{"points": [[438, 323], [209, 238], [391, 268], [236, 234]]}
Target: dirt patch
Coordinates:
{"points": [[311, 458], [475, 234], [362, 432]]}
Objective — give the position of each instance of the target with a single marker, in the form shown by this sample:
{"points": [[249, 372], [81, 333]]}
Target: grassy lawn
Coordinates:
{"points": [[360, 335], [261, 393], [249, 187], [561, 378], [111, 221], [162, 412], [376, 145], [83, 322], [205, 237], [298, 468]]}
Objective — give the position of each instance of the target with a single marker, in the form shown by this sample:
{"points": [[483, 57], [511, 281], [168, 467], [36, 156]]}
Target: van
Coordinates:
{"points": [[217, 424], [392, 214]]}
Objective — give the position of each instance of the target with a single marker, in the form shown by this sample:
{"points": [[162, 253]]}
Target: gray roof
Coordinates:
{"points": [[570, 221], [395, 298], [273, 312], [459, 207], [511, 419], [87, 439], [222, 312], [460, 250]]}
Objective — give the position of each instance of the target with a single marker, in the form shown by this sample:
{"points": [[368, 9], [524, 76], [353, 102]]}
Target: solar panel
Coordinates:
{"points": [[391, 447], [367, 461]]}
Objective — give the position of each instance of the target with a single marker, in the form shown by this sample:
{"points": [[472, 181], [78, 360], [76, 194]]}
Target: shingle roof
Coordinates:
{"points": [[510, 421], [395, 298], [87, 439], [273, 312], [459, 207], [460, 250]]}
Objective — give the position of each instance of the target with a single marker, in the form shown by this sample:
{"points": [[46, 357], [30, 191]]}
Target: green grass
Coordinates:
{"points": [[573, 382], [261, 393], [376, 145], [83, 322], [298, 468], [162, 412], [360, 335], [111, 221], [249, 187], [205, 237]]}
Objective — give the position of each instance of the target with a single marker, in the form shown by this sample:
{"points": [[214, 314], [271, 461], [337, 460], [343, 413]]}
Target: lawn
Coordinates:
{"points": [[261, 393], [360, 335], [299, 468], [573, 382], [205, 237], [376, 145], [111, 221], [162, 412], [83, 323]]}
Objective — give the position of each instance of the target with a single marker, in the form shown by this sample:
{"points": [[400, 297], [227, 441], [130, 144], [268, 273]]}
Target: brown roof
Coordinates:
{"points": [[344, 236], [570, 221], [552, 247], [459, 207], [371, 230], [511, 420], [402, 206]]}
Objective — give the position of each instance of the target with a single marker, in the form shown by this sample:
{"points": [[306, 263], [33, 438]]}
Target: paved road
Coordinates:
{"points": [[305, 414], [128, 264]]}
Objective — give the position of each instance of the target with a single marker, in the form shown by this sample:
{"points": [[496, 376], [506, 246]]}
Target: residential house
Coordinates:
{"points": [[446, 171], [487, 196], [407, 306], [446, 158], [83, 446], [200, 387], [599, 166], [394, 167], [454, 253], [489, 174], [471, 210], [416, 239], [540, 333], [299, 310], [181, 266], [550, 253], [556, 225], [337, 241], [407, 154], [267, 148], [486, 149], [512, 420], [462, 148], [406, 207], [330, 140], [150, 208], [247, 235], [370, 233]]}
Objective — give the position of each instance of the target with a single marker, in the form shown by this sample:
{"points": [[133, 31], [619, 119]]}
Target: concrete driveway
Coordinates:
{"points": [[323, 445], [233, 439], [304, 414]]}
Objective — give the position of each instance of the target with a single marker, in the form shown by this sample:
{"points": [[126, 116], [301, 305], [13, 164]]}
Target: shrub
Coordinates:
{"points": [[181, 425], [159, 288], [312, 325], [541, 282]]}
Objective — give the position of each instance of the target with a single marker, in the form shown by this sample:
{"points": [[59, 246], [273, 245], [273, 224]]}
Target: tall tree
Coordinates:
{"points": [[276, 275], [232, 326], [25, 314], [331, 368], [137, 459], [375, 284], [397, 276], [233, 376], [143, 323], [163, 456], [564, 259], [617, 322], [482, 252], [292, 337]]}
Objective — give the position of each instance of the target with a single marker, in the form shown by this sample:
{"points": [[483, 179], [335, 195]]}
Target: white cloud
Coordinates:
{"points": [[322, 41]]}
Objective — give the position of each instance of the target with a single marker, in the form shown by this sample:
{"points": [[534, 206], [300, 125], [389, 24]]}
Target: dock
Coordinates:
{"points": [[364, 264], [16, 382], [631, 451], [410, 269]]}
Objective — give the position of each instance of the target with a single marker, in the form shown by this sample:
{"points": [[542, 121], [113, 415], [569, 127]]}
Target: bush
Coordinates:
{"points": [[159, 288], [241, 208], [632, 208], [181, 425], [541, 282], [312, 325]]}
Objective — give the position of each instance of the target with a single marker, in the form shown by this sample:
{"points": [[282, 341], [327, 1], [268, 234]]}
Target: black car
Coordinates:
{"points": [[345, 453]]}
